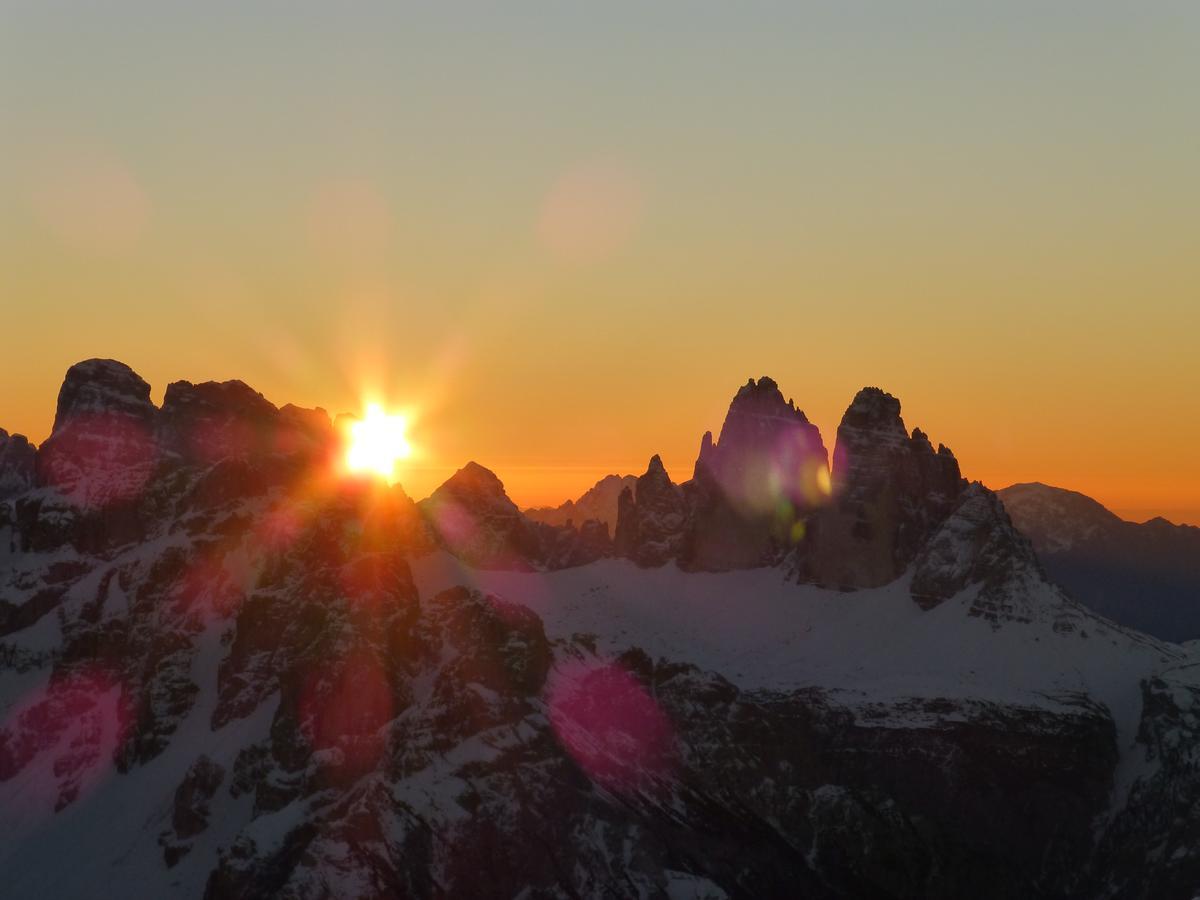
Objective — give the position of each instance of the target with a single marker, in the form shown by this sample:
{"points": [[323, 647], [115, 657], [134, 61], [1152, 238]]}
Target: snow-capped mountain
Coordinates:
{"points": [[226, 673], [1144, 575]]}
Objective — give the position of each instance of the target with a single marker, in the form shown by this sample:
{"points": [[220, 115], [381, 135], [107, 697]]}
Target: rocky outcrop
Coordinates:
{"points": [[1151, 847], [653, 519], [890, 491], [190, 814], [978, 548], [17, 464]]}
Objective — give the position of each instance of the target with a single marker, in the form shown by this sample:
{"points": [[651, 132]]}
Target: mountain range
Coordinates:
{"points": [[1144, 575], [226, 672]]}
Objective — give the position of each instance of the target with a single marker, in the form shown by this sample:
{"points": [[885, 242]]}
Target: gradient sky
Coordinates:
{"points": [[564, 234]]}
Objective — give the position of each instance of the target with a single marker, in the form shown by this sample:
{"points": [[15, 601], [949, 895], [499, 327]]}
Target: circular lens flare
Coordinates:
{"points": [[377, 442]]}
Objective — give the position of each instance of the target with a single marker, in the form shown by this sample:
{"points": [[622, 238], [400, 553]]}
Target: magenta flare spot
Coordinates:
{"points": [[342, 713], [611, 726], [99, 459], [61, 738]]}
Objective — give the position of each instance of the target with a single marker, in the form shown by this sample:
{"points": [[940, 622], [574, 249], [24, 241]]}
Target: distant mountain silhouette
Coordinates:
{"points": [[1146, 576], [598, 502]]}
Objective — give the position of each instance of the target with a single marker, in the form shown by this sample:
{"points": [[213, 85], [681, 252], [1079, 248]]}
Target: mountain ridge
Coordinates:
{"points": [[225, 674], [1145, 575]]}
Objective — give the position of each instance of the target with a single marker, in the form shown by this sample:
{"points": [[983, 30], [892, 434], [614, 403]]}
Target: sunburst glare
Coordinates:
{"points": [[377, 442]]}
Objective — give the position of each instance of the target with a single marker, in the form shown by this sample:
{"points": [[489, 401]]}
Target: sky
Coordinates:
{"points": [[561, 235]]}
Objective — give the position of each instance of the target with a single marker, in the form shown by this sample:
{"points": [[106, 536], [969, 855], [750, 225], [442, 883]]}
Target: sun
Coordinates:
{"points": [[376, 442]]}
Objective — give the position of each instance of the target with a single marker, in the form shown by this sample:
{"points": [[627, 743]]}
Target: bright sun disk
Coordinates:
{"points": [[377, 441]]}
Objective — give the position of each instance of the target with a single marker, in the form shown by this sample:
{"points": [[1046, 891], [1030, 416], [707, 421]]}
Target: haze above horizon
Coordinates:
{"points": [[563, 238]]}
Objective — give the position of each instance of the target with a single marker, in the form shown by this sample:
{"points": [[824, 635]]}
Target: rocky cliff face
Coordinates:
{"points": [[260, 688], [890, 491], [102, 449], [755, 488]]}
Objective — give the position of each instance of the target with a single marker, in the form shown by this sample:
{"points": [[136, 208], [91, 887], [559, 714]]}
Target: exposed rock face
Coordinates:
{"points": [[977, 546], [1152, 845], [216, 420], [652, 519], [762, 494], [102, 449], [1146, 576], [890, 491], [17, 464], [191, 812], [563, 547], [755, 488], [599, 503]]}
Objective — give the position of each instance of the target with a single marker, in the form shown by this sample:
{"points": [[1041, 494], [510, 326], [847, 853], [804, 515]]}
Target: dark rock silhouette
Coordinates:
{"points": [[754, 489], [18, 464], [652, 519], [472, 517]]}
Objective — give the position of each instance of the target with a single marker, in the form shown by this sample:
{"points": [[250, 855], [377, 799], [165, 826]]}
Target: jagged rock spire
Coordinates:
{"points": [[890, 491], [652, 519]]}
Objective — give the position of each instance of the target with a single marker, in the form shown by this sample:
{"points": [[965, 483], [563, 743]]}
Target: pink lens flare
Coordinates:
{"points": [[616, 732], [343, 710], [95, 460], [61, 739]]}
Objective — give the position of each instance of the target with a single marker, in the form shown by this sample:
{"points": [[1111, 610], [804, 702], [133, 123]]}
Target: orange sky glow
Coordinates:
{"points": [[557, 266]]}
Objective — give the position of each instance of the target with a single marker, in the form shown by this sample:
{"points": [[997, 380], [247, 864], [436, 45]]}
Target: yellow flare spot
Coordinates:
{"points": [[377, 441], [823, 483]]}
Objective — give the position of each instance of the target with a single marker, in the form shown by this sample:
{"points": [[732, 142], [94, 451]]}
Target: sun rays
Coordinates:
{"points": [[377, 442]]}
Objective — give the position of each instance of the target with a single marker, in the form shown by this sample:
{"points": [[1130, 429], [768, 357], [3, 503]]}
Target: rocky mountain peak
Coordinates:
{"points": [[476, 482], [102, 387], [17, 459], [764, 474], [102, 448], [652, 518], [758, 416], [471, 516], [890, 491], [1057, 519], [870, 428], [656, 471]]}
